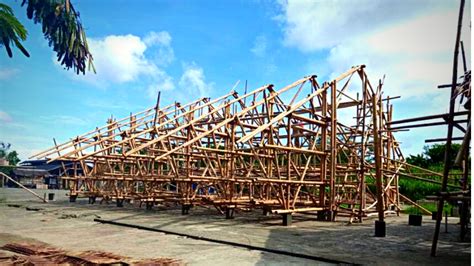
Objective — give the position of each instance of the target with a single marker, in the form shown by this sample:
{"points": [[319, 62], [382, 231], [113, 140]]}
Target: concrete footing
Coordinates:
{"points": [[415, 219], [72, 198], [149, 206], [287, 219], [380, 229], [266, 211], [229, 213], [120, 202], [92, 200], [324, 215], [185, 209]]}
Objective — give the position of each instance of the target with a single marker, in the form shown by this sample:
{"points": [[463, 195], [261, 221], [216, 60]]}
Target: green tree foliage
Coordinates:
{"points": [[11, 157], [4, 148], [416, 190], [12, 32], [433, 155], [432, 158], [419, 160], [61, 26], [436, 152]]}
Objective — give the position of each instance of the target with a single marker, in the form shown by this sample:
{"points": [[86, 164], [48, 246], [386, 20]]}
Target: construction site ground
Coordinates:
{"points": [[71, 226]]}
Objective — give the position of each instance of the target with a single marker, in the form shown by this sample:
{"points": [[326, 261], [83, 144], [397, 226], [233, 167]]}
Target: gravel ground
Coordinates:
{"points": [[71, 226]]}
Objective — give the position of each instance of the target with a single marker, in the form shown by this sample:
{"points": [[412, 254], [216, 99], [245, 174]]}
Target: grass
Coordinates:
{"points": [[416, 190], [431, 206]]}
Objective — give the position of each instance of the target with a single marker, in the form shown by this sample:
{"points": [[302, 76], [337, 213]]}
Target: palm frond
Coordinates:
{"points": [[63, 29], [12, 32]]}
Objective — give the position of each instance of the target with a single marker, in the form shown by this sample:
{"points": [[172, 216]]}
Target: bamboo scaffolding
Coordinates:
{"points": [[285, 150]]}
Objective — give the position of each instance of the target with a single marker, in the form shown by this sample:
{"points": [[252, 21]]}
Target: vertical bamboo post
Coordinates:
{"points": [[362, 147], [324, 108], [465, 207], [289, 154], [380, 224], [447, 159], [333, 148], [382, 141], [60, 185]]}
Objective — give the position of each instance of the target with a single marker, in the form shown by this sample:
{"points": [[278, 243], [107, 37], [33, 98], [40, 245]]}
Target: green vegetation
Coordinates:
{"points": [[61, 26], [8, 170], [432, 159], [431, 206], [433, 156], [11, 157], [416, 190], [11, 31]]}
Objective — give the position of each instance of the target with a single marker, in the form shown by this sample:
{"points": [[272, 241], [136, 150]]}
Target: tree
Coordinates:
{"points": [[61, 26], [11, 30], [4, 148], [433, 155], [12, 158], [419, 160]]}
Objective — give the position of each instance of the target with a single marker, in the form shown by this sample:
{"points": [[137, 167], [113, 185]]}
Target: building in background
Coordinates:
{"points": [[40, 174]]}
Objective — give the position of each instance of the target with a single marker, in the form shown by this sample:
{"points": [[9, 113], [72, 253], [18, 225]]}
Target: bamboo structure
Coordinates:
{"points": [[284, 150], [461, 121]]}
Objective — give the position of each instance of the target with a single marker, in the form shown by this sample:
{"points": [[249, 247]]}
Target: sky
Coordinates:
{"points": [[190, 49]]}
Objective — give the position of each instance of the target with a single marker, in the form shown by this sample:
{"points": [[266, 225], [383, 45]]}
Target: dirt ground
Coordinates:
{"points": [[71, 226]]}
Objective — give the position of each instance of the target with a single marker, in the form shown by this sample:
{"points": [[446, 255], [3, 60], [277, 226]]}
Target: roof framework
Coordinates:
{"points": [[281, 149]]}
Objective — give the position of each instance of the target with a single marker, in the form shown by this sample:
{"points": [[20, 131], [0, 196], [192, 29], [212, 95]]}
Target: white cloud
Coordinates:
{"points": [[162, 82], [260, 46], [165, 53], [412, 42], [63, 120], [126, 58], [5, 117], [158, 38], [193, 81], [119, 59], [413, 66], [8, 73], [312, 25], [413, 49]]}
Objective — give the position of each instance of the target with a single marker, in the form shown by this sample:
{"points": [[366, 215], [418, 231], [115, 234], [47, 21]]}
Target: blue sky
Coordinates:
{"points": [[188, 49]]}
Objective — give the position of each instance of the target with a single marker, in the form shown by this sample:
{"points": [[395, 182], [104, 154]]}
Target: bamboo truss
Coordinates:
{"points": [[284, 150]]}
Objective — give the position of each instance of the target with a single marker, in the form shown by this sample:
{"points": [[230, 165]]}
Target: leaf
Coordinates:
{"points": [[63, 30], [6, 42], [22, 49]]}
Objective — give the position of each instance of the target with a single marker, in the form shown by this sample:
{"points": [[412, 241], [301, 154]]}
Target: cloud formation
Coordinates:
{"points": [[414, 49], [120, 59], [64, 120], [193, 80], [165, 54], [260, 46], [5, 117], [412, 42], [128, 58], [7, 73]]}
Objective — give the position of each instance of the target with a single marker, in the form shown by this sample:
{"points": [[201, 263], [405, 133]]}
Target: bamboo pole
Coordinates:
{"points": [[378, 158], [25, 188], [447, 159]]}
